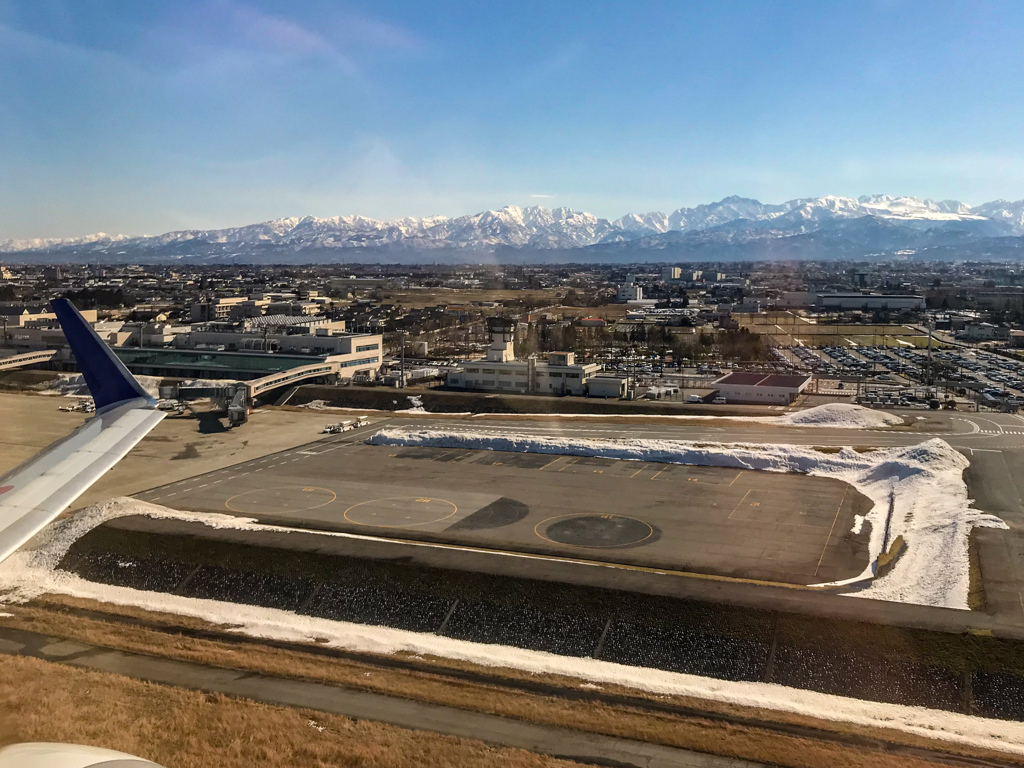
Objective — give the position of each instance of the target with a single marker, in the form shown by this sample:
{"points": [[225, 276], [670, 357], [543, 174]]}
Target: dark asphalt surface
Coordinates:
{"points": [[993, 442], [737, 523]]}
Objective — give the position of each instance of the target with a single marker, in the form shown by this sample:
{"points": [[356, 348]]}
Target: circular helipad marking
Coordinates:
{"points": [[285, 498], [594, 531], [400, 511]]}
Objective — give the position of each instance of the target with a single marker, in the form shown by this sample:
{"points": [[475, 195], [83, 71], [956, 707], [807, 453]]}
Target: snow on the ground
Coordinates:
{"points": [[830, 415], [415, 405], [73, 385], [30, 573], [839, 416], [931, 510], [211, 383], [319, 405]]}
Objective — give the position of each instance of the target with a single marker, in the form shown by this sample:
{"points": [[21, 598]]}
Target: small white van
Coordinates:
{"points": [[719, 401]]}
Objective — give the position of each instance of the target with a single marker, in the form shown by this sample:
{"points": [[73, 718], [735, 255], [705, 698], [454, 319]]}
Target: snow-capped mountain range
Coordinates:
{"points": [[881, 222]]}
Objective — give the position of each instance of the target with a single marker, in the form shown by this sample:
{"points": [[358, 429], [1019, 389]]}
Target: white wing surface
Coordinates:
{"points": [[34, 493]]}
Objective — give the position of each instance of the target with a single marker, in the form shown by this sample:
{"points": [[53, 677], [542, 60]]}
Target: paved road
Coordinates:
{"points": [[548, 740]]}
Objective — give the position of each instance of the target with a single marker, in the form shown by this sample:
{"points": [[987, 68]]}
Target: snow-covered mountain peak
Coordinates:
{"points": [[541, 228]]}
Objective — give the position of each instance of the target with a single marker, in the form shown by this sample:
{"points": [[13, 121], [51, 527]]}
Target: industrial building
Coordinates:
{"points": [[862, 302], [499, 371], [761, 388], [607, 385]]}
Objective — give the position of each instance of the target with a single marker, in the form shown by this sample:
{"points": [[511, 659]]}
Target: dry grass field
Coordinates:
{"points": [[509, 699], [41, 701], [415, 298]]}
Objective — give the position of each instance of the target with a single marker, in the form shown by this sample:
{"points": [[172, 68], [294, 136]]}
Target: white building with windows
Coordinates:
{"points": [[629, 291], [499, 371]]}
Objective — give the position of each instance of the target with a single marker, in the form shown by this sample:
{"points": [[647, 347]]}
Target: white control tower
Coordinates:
{"points": [[503, 331]]}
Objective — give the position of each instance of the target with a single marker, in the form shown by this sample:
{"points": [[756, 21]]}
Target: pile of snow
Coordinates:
{"points": [[28, 574], [839, 416], [207, 383], [830, 415], [73, 385], [415, 405], [68, 385], [931, 509]]}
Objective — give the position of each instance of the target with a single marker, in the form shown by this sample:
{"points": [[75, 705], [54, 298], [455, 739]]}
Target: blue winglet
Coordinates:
{"points": [[108, 380]]}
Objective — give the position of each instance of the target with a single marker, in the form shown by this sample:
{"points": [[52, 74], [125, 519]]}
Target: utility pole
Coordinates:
{"points": [[403, 361], [931, 368]]}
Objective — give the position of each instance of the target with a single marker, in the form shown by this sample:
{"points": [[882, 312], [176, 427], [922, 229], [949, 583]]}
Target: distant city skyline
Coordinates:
{"points": [[132, 118]]}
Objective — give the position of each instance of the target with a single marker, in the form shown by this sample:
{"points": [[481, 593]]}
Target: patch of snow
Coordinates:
{"points": [[931, 509], [207, 382], [839, 416], [830, 415], [858, 524], [30, 573], [415, 405], [318, 405], [73, 385]]}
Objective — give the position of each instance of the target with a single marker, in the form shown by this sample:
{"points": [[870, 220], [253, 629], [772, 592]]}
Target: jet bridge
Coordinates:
{"points": [[237, 398], [27, 358]]}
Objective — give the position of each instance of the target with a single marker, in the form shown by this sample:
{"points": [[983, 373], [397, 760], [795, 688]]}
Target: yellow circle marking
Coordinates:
{"points": [[306, 489], [399, 498], [536, 530]]}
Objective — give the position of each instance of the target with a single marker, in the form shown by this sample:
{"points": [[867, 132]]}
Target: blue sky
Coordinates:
{"points": [[143, 117]]}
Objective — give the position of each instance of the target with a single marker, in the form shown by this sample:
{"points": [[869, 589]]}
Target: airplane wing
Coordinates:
{"points": [[34, 493]]}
